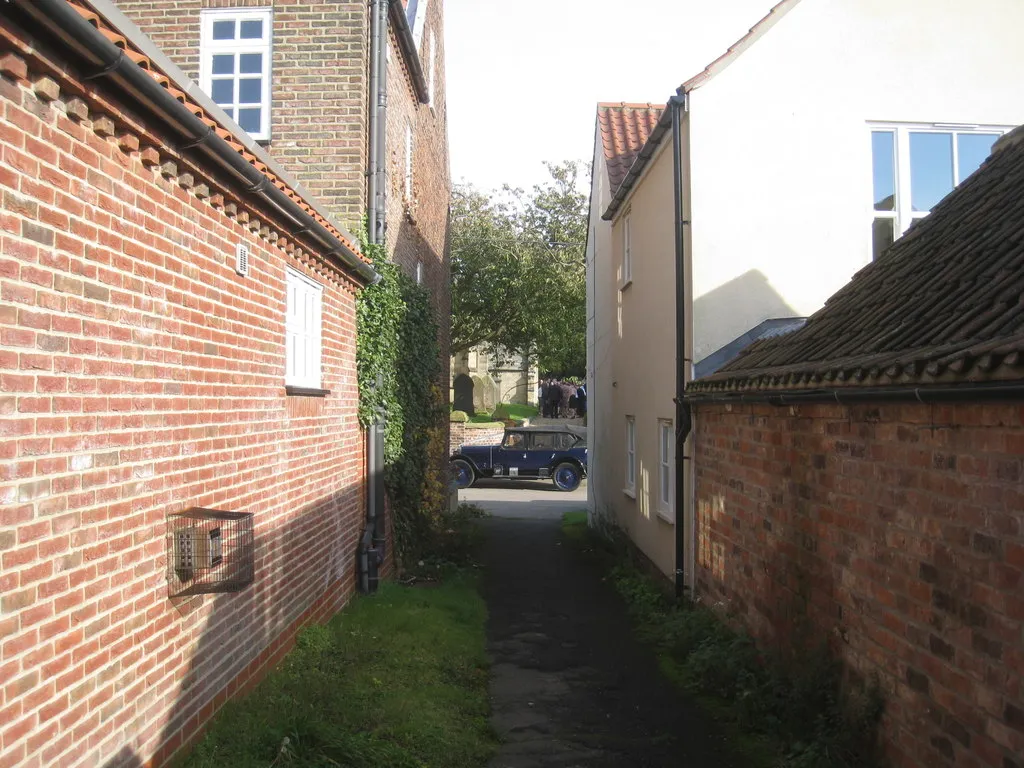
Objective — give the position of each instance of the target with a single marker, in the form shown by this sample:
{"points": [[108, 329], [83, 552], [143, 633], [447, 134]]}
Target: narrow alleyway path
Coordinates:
{"points": [[571, 687]]}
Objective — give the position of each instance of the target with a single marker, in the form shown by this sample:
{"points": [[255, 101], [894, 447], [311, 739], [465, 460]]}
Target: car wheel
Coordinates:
{"points": [[464, 474], [567, 476]]}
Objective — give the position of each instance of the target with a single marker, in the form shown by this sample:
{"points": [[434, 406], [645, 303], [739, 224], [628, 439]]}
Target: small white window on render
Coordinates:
{"points": [[627, 255], [234, 65], [666, 450], [419, 272], [630, 455], [915, 166], [408, 162], [302, 331]]}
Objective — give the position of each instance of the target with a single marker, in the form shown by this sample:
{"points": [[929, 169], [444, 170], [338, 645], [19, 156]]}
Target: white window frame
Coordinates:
{"points": [[417, 24], [428, 54], [208, 47], [630, 485], [903, 215], [408, 161], [303, 330], [627, 252], [419, 272], [666, 470]]}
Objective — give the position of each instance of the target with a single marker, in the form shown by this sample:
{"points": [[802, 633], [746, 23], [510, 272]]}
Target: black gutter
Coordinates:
{"points": [[407, 43], [682, 421], [640, 162], [111, 62], [951, 393]]}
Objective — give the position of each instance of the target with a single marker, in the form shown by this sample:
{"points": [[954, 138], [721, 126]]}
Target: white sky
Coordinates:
{"points": [[525, 76]]}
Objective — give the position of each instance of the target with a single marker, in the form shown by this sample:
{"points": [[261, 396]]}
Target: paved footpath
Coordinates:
{"points": [[570, 686]]}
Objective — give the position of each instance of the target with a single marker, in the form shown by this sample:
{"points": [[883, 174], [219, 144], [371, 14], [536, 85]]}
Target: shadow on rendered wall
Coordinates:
{"points": [[733, 308], [323, 540]]}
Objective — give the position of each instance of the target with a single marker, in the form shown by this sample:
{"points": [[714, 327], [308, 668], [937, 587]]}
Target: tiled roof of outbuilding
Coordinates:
{"points": [[944, 305], [624, 130]]}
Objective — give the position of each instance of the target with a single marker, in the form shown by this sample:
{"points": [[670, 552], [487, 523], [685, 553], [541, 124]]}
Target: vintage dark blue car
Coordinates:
{"points": [[558, 453]]}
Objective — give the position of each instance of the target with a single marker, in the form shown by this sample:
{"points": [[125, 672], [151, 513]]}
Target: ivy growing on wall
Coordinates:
{"points": [[399, 369]]}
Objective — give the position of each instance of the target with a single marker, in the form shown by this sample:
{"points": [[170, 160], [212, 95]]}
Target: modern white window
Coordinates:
{"points": [[302, 331], [630, 456], [408, 162], [234, 65], [627, 256], [666, 450], [915, 166]]}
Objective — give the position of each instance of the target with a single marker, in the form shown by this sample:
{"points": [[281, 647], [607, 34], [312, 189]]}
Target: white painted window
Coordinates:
{"points": [[234, 65], [416, 13], [627, 255], [302, 331], [630, 455], [915, 166], [408, 162], [419, 272], [666, 450], [428, 53]]}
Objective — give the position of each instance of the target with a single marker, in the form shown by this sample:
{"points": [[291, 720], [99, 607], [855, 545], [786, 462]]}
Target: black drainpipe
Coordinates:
{"points": [[683, 422], [372, 548]]}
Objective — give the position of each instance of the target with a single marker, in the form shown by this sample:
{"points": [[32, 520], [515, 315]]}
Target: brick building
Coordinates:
{"points": [[860, 479], [313, 106], [177, 331]]}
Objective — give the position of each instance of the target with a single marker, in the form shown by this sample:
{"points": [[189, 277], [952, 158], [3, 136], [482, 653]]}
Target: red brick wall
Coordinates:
{"points": [[418, 226], [460, 434], [319, 118], [139, 376], [895, 531]]}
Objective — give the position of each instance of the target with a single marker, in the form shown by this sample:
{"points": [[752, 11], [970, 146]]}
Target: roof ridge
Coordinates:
{"points": [[755, 33], [629, 105]]}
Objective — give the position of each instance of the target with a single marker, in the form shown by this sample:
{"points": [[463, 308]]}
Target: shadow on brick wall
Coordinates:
{"points": [[246, 634]]}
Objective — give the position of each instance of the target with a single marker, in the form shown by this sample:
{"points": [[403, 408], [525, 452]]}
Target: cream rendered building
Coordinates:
{"points": [[828, 129]]}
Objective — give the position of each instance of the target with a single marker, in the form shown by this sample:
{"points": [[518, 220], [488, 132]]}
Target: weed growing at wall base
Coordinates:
{"points": [[785, 716]]}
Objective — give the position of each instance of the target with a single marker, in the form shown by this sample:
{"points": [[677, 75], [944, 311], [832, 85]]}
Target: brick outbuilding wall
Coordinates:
{"points": [[139, 376], [896, 533]]}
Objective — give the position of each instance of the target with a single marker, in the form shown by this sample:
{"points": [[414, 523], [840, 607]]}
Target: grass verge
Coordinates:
{"points": [[397, 680], [775, 714], [506, 411]]}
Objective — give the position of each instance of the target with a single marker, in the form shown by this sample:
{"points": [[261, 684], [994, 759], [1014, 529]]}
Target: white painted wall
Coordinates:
{"points": [[781, 178], [600, 333]]}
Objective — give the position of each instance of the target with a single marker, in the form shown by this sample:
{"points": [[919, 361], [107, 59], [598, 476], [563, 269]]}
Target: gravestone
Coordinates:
{"points": [[463, 385]]}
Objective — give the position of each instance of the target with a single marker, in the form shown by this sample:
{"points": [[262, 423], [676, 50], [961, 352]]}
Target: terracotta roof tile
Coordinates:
{"points": [[945, 303], [624, 131]]}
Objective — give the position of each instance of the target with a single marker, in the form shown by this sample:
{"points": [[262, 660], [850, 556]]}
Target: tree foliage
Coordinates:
{"points": [[519, 271]]}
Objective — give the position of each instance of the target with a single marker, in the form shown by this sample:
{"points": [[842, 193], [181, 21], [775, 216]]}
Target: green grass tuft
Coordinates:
{"points": [[398, 680]]}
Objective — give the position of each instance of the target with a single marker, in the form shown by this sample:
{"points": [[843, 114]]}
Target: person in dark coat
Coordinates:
{"points": [[554, 398]]}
